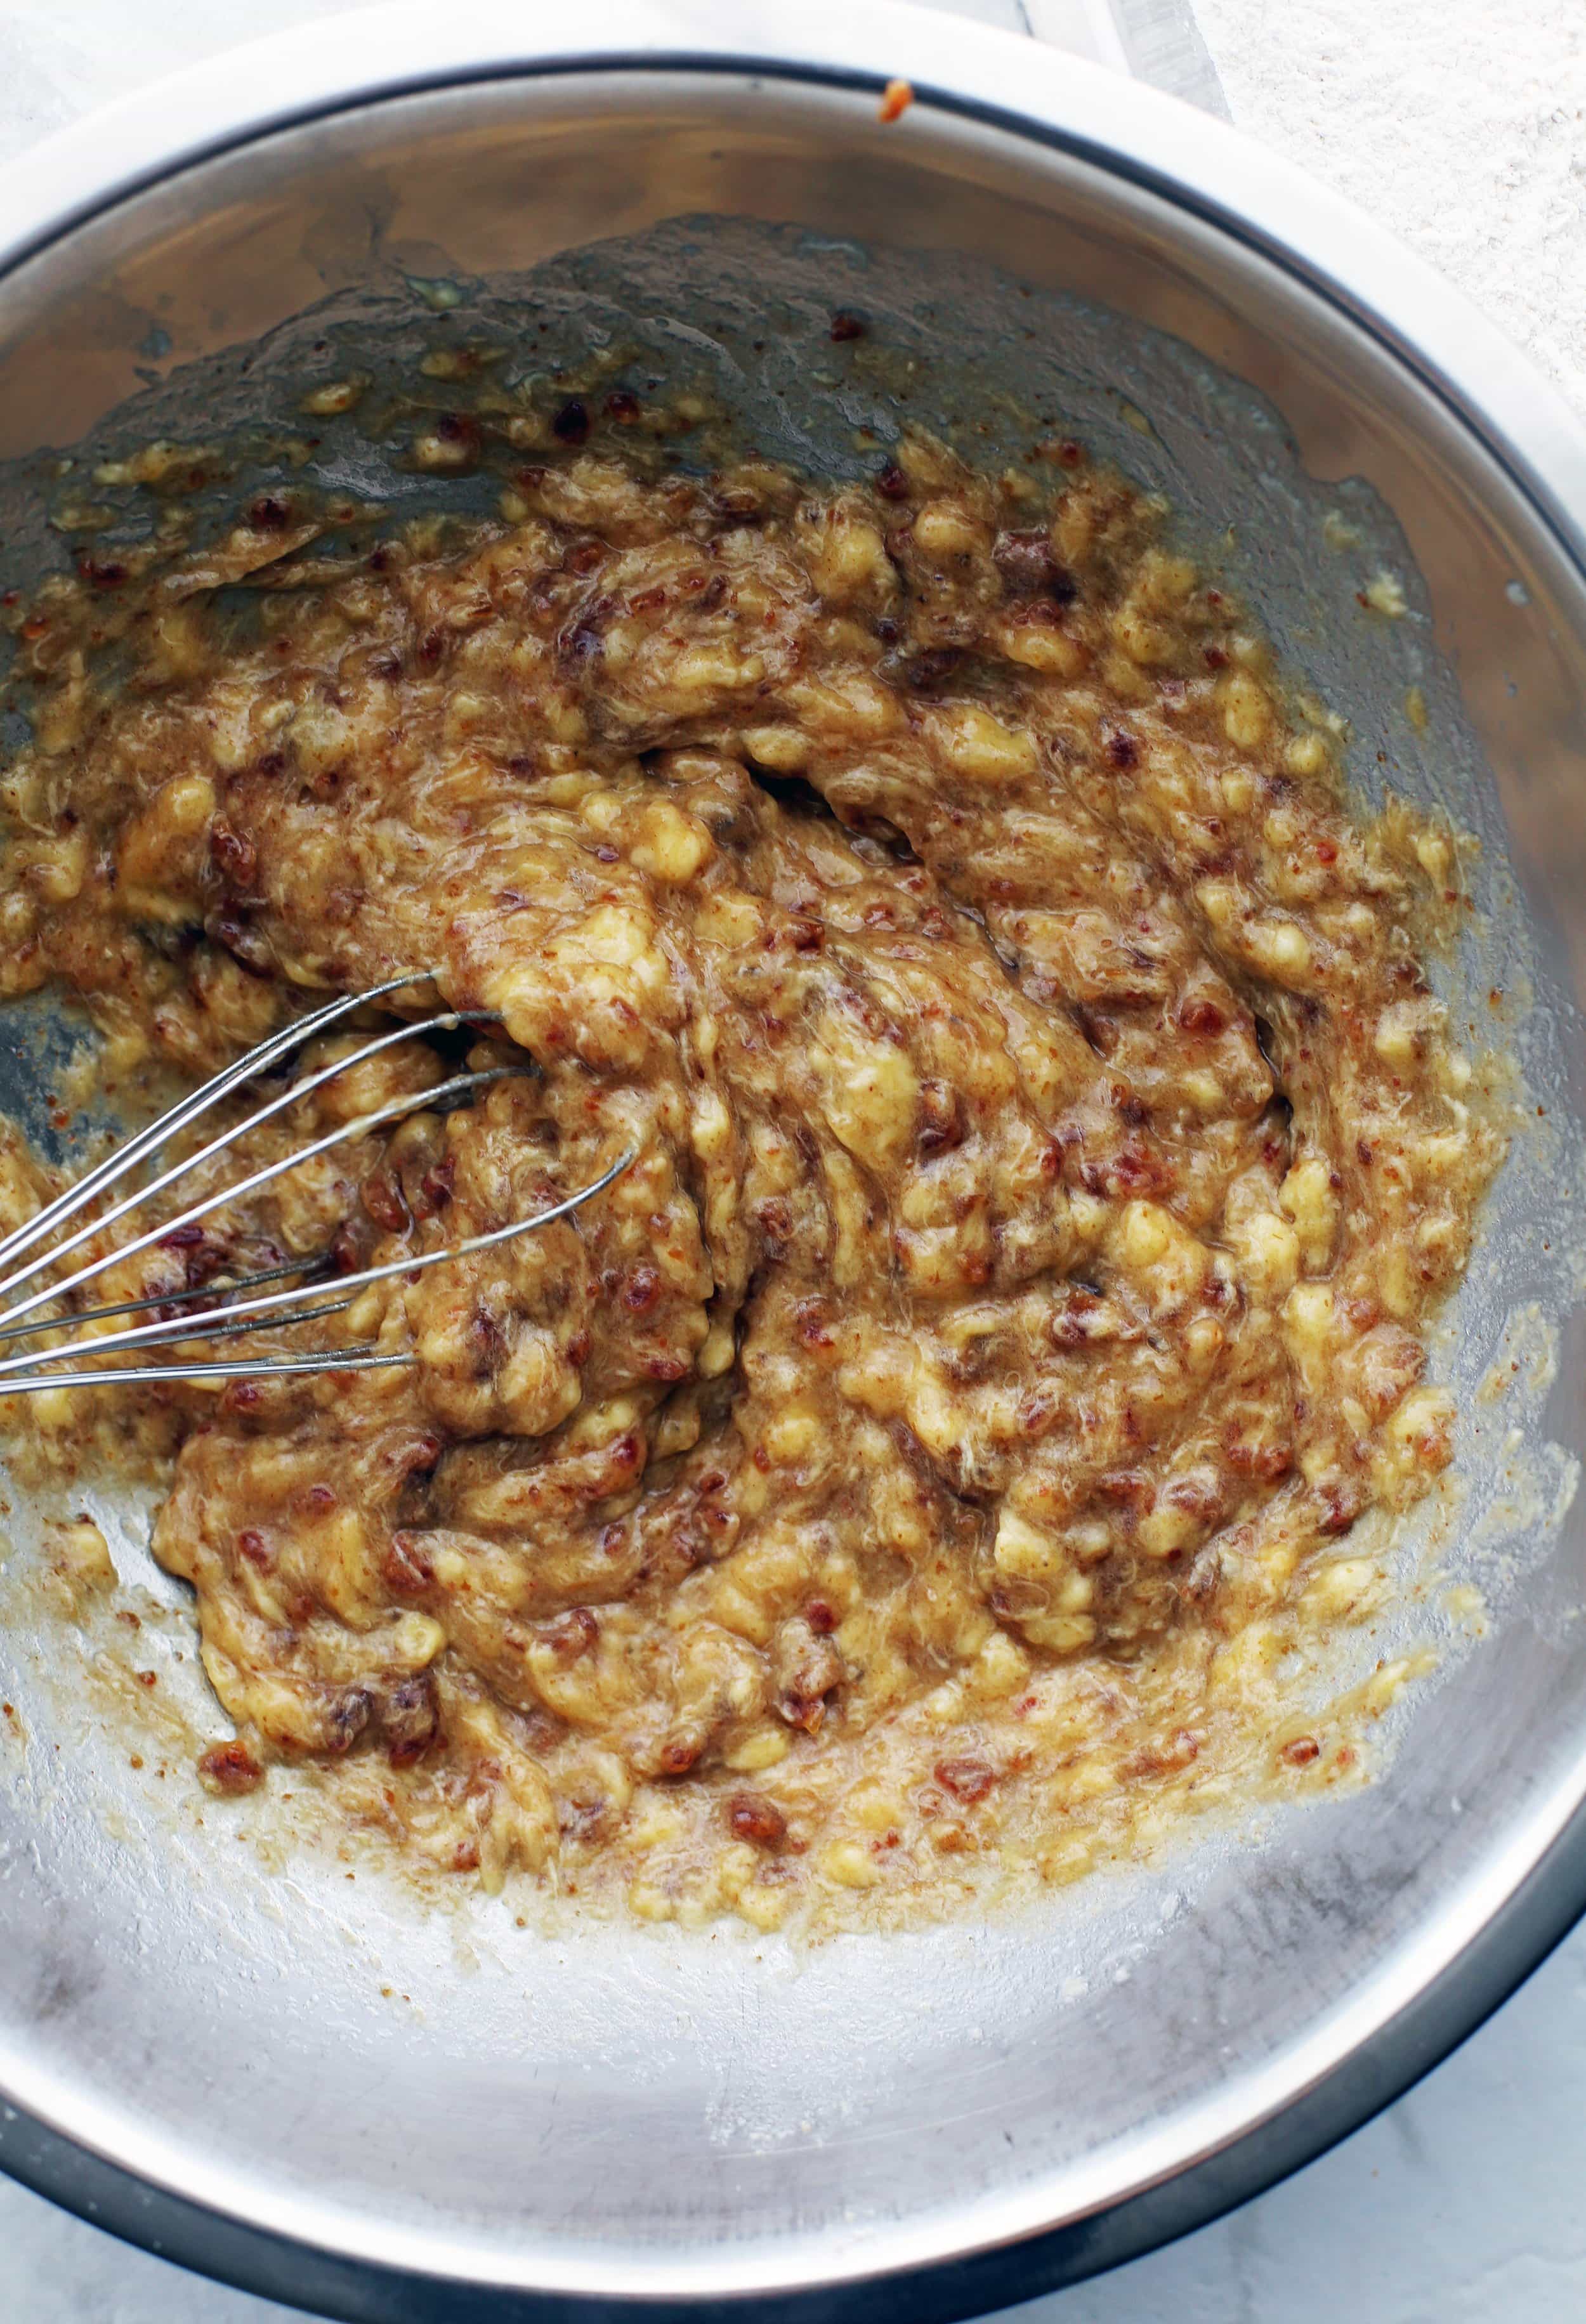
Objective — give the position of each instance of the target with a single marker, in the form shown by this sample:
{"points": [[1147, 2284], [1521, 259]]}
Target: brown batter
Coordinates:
{"points": [[1048, 1152]]}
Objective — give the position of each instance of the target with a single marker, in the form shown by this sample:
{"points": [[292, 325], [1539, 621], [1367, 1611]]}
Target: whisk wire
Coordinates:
{"points": [[143, 1196], [310, 1269], [392, 1110], [343, 1359], [177, 1118], [228, 1317], [196, 1327], [173, 1329]]}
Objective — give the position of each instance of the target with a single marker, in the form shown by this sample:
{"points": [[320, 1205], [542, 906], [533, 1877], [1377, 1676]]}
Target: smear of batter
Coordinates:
{"points": [[1049, 1147]]}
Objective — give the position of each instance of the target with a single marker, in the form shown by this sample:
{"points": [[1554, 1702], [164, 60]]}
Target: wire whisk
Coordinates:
{"points": [[230, 1317]]}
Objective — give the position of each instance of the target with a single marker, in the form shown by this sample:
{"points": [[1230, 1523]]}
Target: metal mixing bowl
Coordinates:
{"points": [[315, 2086]]}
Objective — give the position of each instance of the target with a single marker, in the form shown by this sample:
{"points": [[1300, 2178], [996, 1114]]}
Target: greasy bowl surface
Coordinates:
{"points": [[326, 2092]]}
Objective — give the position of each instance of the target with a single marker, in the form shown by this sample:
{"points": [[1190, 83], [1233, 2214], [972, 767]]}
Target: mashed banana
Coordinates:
{"points": [[923, 1458]]}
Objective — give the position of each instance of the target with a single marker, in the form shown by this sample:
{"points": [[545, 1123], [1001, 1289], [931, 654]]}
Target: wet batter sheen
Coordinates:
{"points": [[920, 1462]]}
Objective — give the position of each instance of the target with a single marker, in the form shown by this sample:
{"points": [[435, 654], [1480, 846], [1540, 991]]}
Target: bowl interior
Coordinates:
{"points": [[609, 2110]]}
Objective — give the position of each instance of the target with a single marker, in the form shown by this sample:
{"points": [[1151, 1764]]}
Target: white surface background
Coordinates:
{"points": [[1462, 126]]}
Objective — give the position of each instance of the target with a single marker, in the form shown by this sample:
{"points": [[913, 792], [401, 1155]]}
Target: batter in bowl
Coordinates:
{"points": [[916, 1469]]}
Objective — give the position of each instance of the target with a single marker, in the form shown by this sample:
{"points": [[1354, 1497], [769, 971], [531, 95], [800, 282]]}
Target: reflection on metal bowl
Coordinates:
{"points": [[334, 2094]]}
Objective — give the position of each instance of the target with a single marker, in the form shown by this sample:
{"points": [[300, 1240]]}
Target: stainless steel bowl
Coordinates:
{"points": [[319, 2088]]}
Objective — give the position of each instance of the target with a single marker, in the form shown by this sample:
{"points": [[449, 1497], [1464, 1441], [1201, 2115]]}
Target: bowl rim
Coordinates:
{"points": [[1533, 1887]]}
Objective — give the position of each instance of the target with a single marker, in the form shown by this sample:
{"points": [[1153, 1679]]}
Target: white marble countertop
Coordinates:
{"points": [[1462, 126]]}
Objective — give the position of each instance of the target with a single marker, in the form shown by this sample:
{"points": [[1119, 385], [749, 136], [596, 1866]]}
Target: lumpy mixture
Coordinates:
{"points": [[922, 1462]]}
